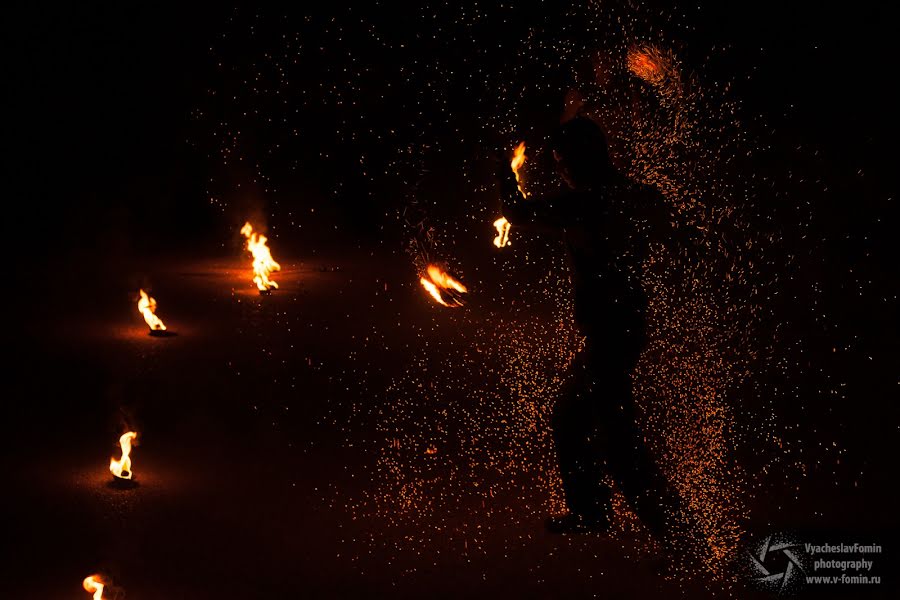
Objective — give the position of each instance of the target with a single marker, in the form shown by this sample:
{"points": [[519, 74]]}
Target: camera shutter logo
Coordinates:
{"points": [[790, 570]]}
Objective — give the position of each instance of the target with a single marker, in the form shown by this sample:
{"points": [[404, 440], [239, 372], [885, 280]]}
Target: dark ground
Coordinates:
{"points": [[236, 499], [239, 498]]}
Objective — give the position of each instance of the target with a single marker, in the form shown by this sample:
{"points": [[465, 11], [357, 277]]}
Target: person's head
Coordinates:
{"points": [[582, 156]]}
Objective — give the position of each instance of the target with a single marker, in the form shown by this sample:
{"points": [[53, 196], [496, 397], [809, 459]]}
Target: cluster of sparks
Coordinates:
{"points": [[467, 421]]}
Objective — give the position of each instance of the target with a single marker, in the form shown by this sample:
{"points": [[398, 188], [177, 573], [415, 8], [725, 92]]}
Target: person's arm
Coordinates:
{"points": [[529, 213]]}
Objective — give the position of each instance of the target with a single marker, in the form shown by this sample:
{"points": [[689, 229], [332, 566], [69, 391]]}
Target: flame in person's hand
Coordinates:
{"points": [[502, 237], [443, 288], [147, 306], [94, 584], [263, 263], [516, 163], [122, 468]]}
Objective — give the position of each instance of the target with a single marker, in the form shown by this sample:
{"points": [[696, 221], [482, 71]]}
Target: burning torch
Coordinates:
{"points": [[263, 263], [121, 471], [147, 308], [445, 290]]}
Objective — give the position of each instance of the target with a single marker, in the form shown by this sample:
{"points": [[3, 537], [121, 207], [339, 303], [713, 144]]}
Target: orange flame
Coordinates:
{"points": [[122, 468], [94, 584], [438, 282], [263, 263], [517, 161], [147, 307], [502, 237], [649, 63]]}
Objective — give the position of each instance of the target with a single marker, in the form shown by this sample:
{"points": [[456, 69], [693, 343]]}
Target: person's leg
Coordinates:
{"points": [[622, 447], [575, 430], [652, 498], [636, 473]]}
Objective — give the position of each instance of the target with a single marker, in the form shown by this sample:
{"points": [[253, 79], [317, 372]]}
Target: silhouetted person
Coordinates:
{"points": [[603, 220]]}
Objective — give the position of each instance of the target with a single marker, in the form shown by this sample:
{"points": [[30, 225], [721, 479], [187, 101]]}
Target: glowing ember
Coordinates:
{"points": [[502, 238], [94, 584], [263, 263], [649, 63], [122, 468], [147, 306], [443, 288]]}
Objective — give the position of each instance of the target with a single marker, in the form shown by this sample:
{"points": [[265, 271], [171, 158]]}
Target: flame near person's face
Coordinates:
{"points": [[147, 307], [518, 160], [94, 584], [442, 287], [122, 468], [263, 263]]}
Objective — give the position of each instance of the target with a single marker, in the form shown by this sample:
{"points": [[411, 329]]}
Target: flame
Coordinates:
{"points": [[94, 584], [147, 306], [263, 263], [650, 64], [122, 468], [502, 226], [517, 161], [438, 281]]}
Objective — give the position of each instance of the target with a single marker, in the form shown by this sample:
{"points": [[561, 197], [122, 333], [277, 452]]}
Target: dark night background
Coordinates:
{"points": [[100, 105], [108, 177]]}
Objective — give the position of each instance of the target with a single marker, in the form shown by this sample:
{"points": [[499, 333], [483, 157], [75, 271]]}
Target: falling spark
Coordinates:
{"points": [[122, 468], [94, 584], [263, 263], [441, 285], [147, 307]]}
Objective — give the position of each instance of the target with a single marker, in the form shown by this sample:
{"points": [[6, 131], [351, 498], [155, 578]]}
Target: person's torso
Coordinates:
{"points": [[604, 265]]}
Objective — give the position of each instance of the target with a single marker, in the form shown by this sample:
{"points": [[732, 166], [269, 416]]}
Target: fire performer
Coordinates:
{"points": [[594, 426]]}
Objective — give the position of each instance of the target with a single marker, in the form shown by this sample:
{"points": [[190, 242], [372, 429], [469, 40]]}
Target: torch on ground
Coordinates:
{"points": [[123, 476], [263, 263], [147, 308], [94, 584]]}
